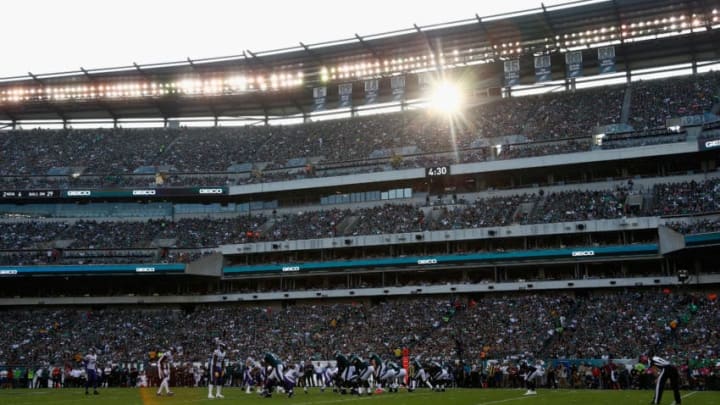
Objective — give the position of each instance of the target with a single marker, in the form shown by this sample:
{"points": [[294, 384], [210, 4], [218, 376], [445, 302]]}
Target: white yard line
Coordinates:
{"points": [[352, 398], [504, 400], [689, 394]]}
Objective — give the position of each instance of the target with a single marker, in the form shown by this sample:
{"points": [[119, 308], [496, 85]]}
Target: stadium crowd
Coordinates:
{"points": [[656, 101], [26, 241], [703, 225], [488, 334], [548, 124], [484, 339], [570, 206], [686, 198], [644, 138], [614, 326]]}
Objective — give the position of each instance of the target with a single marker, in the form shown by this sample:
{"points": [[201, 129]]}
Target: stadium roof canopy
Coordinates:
{"points": [[645, 33]]}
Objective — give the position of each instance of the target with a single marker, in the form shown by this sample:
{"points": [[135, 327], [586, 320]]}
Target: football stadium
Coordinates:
{"points": [[515, 208]]}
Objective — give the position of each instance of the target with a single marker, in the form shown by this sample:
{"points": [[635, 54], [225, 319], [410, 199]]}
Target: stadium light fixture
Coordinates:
{"points": [[446, 97], [324, 76]]}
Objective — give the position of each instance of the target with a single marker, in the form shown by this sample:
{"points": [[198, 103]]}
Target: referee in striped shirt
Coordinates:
{"points": [[667, 371]]}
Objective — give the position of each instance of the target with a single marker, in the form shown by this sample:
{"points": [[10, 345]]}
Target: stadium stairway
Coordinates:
{"points": [[267, 226], [347, 224], [625, 114], [636, 200], [649, 201], [524, 210], [165, 149], [548, 343], [432, 215], [535, 210], [163, 242], [61, 243]]}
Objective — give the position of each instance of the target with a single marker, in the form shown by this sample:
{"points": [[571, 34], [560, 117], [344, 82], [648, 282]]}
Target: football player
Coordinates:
{"points": [[90, 362], [275, 373], [216, 365], [163, 366]]}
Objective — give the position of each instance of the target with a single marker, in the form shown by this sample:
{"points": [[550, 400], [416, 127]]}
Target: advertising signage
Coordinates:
{"points": [[90, 193]]}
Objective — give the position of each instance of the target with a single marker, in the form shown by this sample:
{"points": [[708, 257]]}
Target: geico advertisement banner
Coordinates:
{"points": [[705, 144]]}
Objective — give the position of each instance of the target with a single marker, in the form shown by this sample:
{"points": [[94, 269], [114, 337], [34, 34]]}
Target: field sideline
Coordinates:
{"points": [[146, 396]]}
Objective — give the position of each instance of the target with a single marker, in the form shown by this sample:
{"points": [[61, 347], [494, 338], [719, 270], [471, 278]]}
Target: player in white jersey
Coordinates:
{"points": [[254, 374], [329, 376], [163, 366], [290, 379], [90, 362], [322, 375], [217, 371], [533, 373]]}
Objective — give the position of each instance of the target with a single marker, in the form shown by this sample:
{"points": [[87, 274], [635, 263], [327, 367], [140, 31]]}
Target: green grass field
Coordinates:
{"points": [[126, 396]]}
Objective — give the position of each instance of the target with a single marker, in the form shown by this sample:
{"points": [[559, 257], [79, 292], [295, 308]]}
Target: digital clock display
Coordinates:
{"points": [[437, 171]]}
